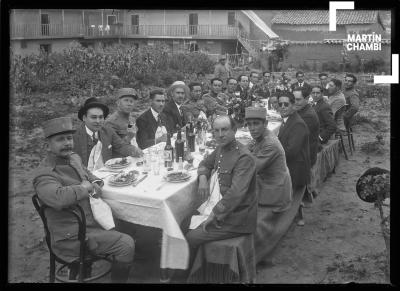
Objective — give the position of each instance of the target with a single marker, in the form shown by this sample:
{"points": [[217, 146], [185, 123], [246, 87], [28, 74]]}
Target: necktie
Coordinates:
{"points": [[95, 140]]}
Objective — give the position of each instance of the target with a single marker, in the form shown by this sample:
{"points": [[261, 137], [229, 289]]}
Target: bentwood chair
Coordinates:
{"points": [[349, 131], [80, 267], [341, 130]]}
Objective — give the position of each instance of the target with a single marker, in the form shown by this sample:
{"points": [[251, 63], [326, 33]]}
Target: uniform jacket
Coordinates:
{"points": [[310, 117], [193, 108], [305, 85], [353, 100], [274, 185], [147, 127], [327, 125], [57, 183], [214, 105], [173, 117], [294, 139], [336, 101], [112, 144], [119, 122], [237, 210]]}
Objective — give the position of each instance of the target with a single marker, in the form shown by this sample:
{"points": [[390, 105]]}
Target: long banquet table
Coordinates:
{"points": [[164, 208]]}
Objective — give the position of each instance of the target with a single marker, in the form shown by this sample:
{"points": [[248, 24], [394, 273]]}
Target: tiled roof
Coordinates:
{"points": [[306, 17]]}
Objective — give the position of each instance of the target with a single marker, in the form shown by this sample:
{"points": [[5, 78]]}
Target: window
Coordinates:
{"points": [[45, 23], [193, 23], [24, 44], [46, 48], [231, 18], [193, 47], [111, 19], [135, 23]]}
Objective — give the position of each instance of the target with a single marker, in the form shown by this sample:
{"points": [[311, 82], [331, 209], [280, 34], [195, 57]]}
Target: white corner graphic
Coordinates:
{"points": [[394, 78], [335, 5]]}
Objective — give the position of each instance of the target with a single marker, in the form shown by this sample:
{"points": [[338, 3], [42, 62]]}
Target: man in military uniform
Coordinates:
{"points": [[63, 181], [216, 101], [194, 107], [121, 120], [235, 213]]}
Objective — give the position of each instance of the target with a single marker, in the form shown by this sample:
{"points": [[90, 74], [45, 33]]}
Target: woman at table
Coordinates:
{"points": [[274, 186]]}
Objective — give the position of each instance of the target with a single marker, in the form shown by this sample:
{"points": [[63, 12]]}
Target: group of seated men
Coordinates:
{"points": [[257, 178]]}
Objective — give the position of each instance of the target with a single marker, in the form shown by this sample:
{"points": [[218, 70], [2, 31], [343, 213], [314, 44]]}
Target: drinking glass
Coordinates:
{"points": [[147, 162]]}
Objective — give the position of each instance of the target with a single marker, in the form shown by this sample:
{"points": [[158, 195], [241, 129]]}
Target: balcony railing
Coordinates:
{"points": [[119, 30]]}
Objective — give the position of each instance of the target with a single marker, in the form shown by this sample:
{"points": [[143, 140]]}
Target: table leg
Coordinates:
{"points": [[165, 275]]}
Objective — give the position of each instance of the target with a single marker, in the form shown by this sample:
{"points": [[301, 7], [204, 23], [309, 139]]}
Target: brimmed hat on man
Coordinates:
{"points": [[93, 102], [58, 126], [127, 92], [178, 84], [255, 112]]}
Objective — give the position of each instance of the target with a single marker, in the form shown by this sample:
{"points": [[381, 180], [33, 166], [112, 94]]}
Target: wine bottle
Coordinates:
{"points": [[168, 153], [191, 139], [179, 146]]}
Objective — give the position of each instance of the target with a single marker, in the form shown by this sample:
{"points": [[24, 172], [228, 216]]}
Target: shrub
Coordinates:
{"points": [[330, 66], [374, 65]]}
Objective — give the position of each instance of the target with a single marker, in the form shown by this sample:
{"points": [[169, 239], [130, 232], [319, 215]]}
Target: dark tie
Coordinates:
{"points": [[95, 140]]}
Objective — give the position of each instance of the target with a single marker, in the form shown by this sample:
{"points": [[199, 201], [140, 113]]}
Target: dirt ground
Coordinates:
{"points": [[341, 241]]}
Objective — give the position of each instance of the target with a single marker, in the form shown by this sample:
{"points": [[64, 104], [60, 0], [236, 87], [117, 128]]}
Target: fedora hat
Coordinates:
{"points": [[57, 126], [91, 103]]}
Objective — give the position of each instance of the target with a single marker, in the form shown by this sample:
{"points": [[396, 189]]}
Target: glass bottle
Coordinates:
{"points": [[179, 146], [168, 153]]}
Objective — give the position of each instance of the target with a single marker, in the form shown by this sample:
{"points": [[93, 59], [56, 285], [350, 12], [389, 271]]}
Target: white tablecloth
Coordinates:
{"points": [[164, 208]]}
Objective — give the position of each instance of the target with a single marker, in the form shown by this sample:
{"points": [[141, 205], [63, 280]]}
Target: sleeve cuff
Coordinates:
{"points": [[99, 182], [80, 192]]}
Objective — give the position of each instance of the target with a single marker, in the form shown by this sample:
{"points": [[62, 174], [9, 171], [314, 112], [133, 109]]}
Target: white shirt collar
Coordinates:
{"points": [[155, 113], [285, 119], [90, 133], [177, 105], [301, 84]]}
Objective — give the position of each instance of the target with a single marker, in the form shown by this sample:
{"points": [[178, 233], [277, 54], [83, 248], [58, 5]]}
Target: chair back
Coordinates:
{"points": [[339, 117], [75, 210]]}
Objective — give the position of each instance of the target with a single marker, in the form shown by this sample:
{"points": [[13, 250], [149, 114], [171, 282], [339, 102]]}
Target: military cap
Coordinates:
{"points": [[127, 92], [255, 112], [57, 126]]}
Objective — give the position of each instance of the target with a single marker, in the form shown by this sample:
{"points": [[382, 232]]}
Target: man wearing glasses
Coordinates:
{"points": [[352, 98], [294, 136]]}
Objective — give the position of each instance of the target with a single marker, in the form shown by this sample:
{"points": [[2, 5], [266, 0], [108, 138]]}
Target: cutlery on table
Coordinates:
{"points": [[110, 171], [159, 187], [140, 180]]}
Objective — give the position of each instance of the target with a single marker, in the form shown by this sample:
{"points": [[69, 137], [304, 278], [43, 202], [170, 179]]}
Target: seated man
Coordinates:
{"points": [[151, 124], [307, 113], [63, 181], [294, 135], [274, 185], [231, 85], [233, 169], [336, 100], [121, 120], [173, 108], [216, 101], [301, 84], [352, 98], [273, 102], [96, 143], [327, 125], [205, 86], [194, 107]]}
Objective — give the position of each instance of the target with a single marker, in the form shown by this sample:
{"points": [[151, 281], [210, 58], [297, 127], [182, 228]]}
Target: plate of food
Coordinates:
{"points": [[123, 179], [177, 176], [118, 163]]}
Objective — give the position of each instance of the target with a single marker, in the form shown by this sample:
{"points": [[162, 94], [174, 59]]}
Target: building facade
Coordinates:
{"points": [[213, 31]]}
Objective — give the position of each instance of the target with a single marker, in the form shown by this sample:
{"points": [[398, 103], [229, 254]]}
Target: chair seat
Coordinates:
{"points": [[225, 261]]}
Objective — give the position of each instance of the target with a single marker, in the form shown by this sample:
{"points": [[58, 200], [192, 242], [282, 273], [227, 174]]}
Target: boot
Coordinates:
{"points": [[120, 272]]}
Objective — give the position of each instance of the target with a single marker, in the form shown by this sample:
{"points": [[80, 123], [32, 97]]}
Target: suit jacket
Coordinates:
{"points": [[274, 185], [327, 125], [57, 183], [214, 105], [353, 102], [294, 139], [112, 144], [310, 117], [237, 210], [305, 85], [147, 127], [172, 117]]}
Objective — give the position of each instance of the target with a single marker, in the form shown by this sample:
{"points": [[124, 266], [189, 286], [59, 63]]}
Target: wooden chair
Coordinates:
{"points": [[80, 267], [340, 132], [349, 132]]}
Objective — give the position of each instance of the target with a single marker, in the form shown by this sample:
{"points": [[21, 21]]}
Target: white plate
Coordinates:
{"points": [[110, 163]]}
